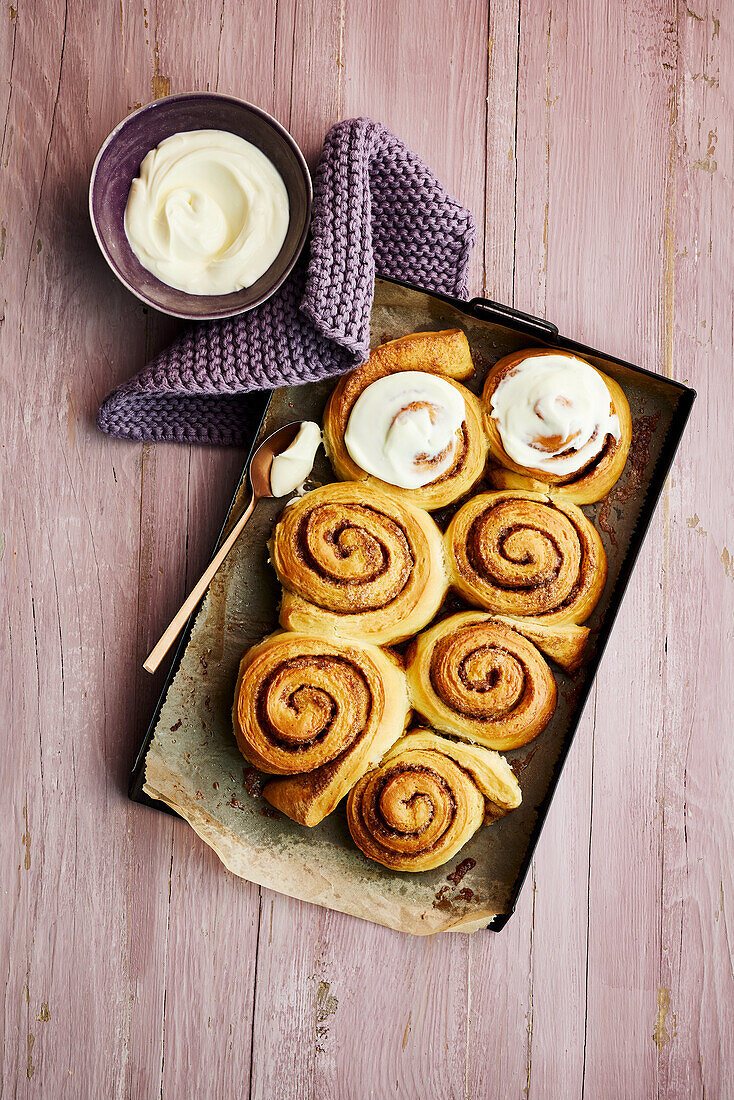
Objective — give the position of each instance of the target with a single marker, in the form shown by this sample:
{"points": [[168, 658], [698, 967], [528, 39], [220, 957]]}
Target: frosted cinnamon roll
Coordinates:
{"points": [[317, 713], [403, 423], [477, 678], [522, 554], [426, 799], [356, 563], [554, 420]]}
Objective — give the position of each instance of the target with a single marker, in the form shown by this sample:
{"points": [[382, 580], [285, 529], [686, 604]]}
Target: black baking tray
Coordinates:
{"points": [[541, 333]]}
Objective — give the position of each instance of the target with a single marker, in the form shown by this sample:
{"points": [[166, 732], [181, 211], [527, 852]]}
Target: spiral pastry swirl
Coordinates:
{"points": [[522, 554], [318, 712], [567, 425], [446, 354], [356, 563], [426, 799], [475, 677]]}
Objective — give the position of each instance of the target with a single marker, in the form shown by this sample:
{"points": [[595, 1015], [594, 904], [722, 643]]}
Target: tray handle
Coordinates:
{"points": [[487, 310]]}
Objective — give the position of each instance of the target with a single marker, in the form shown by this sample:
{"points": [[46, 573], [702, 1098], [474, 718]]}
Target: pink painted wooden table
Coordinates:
{"points": [[594, 143]]}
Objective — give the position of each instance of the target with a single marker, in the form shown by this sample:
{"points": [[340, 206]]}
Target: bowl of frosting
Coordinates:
{"points": [[200, 204]]}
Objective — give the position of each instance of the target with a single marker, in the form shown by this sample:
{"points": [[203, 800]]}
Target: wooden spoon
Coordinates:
{"points": [[260, 465]]}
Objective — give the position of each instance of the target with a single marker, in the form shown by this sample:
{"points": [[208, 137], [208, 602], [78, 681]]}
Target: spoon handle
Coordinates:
{"points": [[176, 625]]}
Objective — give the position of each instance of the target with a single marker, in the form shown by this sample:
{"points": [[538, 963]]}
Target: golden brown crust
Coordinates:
{"points": [[477, 678], [583, 487], [446, 353], [524, 554], [356, 563], [564, 643], [319, 713], [426, 799]]}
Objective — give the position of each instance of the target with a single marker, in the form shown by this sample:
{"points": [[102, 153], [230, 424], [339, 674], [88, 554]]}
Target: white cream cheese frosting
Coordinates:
{"points": [[553, 413], [405, 428], [208, 213], [291, 467]]}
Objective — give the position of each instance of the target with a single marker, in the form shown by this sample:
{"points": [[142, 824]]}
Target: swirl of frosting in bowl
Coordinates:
{"points": [[553, 413], [405, 428], [208, 213]]}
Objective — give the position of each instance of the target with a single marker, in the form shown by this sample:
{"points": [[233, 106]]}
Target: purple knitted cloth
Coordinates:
{"points": [[377, 209]]}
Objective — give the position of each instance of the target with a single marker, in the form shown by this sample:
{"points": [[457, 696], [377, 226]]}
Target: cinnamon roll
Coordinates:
{"points": [[426, 799], [318, 714], [356, 563], [402, 422], [522, 554], [555, 423], [478, 678]]}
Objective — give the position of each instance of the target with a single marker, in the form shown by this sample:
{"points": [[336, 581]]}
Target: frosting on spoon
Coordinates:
{"points": [[292, 466]]}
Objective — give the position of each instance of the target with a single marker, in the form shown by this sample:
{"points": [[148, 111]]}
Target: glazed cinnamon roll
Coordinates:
{"points": [[522, 554], [476, 677], [555, 421], [426, 799], [317, 713], [356, 563], [403, 423]]}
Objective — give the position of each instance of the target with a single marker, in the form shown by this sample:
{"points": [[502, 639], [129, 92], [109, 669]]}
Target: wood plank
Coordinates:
{"points": [[497, 241], [694, 1024], [74, 576], [546, 1057], [212, 918], [619, 185], [357, 1010], [500, 993], [163, 502]]}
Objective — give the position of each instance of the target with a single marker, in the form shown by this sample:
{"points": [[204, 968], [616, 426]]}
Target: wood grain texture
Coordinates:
{"points": [[593, 143], [597, 145], [695, 983]]}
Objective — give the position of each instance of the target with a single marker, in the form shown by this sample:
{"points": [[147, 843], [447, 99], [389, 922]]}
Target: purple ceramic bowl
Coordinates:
{"points": [[118, 163]]}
